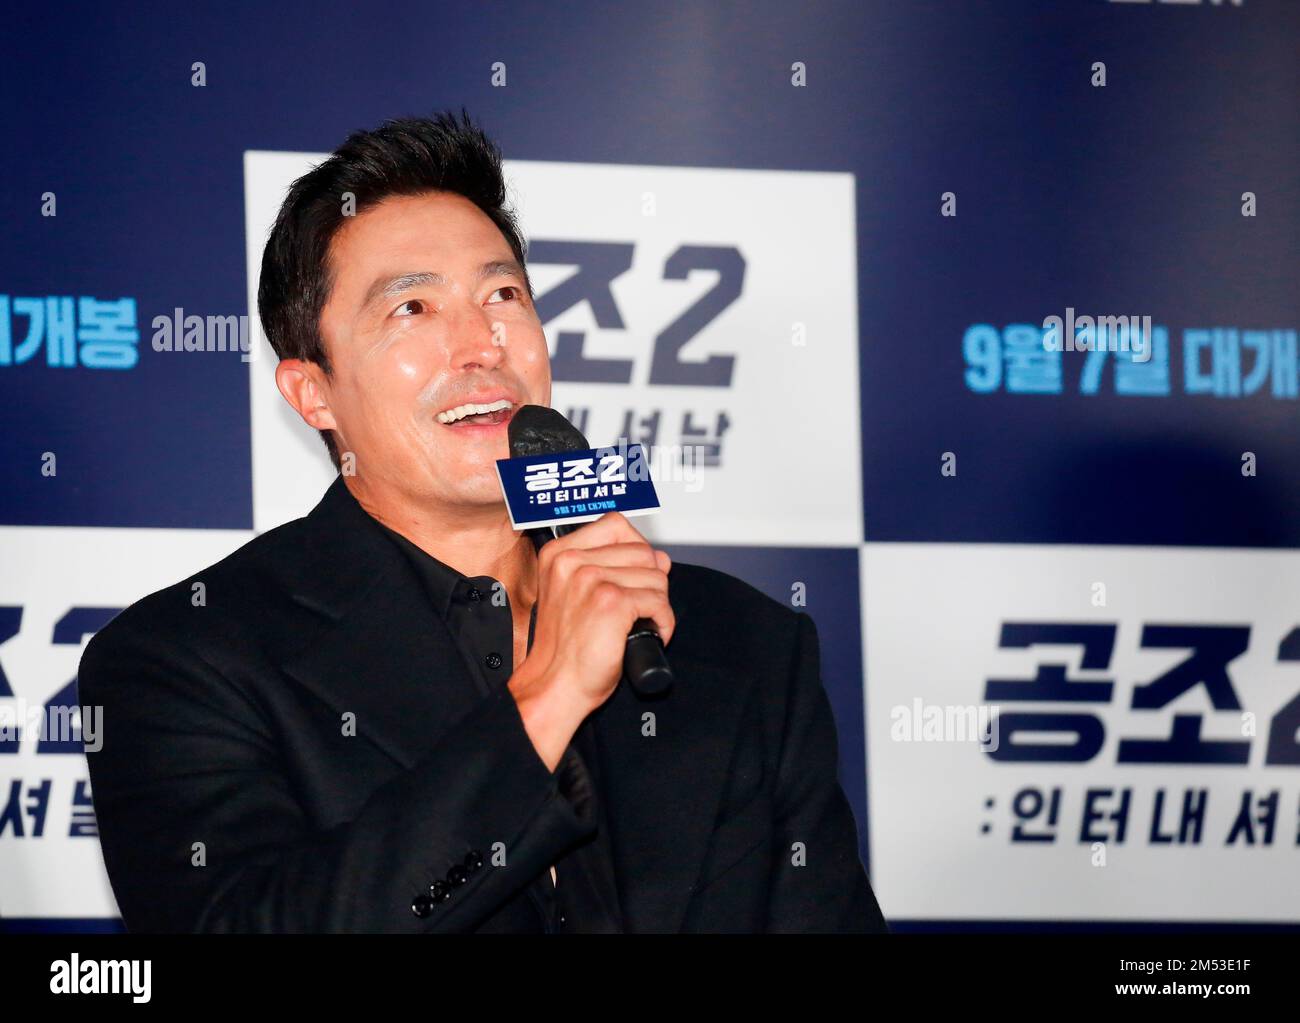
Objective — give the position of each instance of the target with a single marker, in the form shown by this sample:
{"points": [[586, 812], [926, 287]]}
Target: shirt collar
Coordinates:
{"points": [[444, 583]]}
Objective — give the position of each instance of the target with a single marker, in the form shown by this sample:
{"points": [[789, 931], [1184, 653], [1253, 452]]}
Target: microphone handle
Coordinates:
{"points": [[645, 665]]}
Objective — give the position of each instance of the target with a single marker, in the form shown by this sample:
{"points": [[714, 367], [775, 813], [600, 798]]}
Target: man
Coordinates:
{"points": [[398, 714]]}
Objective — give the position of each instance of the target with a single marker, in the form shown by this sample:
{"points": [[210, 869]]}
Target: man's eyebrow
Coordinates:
{"points": [[391, 286]]}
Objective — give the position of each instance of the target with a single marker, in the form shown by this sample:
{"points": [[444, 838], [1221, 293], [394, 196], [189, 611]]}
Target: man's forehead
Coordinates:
{"points": [[431, 238]]}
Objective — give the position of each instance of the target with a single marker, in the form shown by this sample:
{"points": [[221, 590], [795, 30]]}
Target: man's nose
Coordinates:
{"points": [[477, 341]]}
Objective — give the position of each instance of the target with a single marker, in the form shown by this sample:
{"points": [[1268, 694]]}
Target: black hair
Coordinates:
{"points": [[408, 156]]}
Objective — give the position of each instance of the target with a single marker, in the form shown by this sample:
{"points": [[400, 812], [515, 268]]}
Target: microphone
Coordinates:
{"points": [[538, 431]]}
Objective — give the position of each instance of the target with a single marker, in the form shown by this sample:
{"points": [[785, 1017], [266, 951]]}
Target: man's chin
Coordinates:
{"points": [[475, 499]]}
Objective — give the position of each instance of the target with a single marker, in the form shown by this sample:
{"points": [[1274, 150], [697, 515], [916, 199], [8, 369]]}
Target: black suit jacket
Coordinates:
{"points": [[296, 745]]}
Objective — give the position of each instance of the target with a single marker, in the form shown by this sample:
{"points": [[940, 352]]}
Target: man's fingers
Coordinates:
{"points": [[626, 576], [612, 527], [614, 555], [636, 602]]}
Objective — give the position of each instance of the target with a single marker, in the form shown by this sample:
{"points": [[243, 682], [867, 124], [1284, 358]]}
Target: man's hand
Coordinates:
{"points": [[593, 584]]}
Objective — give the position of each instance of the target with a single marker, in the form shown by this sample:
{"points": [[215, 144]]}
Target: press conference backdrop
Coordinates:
{"points": [[813, 246]]}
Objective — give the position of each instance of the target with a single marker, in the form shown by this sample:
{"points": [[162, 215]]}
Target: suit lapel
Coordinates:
{"points": [[374, 646]]}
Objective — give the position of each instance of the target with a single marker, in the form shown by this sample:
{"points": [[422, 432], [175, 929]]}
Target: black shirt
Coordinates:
{"points": [[583, 899]]}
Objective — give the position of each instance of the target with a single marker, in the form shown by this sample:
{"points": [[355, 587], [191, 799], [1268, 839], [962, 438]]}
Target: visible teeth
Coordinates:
{"points": [[461, 411]]}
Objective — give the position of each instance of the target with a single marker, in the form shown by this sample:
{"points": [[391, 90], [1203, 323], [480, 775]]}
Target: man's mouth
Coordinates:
{"points": [[494, 413]]}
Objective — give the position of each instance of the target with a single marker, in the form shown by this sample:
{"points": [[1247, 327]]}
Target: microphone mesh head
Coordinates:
{"points": [[537, 430]]}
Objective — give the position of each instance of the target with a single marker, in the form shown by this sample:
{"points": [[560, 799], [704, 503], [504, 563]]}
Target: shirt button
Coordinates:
{"points": [[493, 660], [457, 875], [475, 593], [422, 906]]}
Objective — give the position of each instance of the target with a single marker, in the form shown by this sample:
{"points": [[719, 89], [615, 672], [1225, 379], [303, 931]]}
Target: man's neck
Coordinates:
{"points": [[474, 540]]}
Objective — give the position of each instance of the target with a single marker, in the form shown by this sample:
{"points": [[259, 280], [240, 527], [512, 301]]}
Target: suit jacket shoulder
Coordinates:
{"points": [[255, 571], [725, 619]]}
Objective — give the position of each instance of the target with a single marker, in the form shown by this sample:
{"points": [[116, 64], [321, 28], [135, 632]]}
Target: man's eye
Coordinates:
{"points": [[510, 288], [412, 308]]}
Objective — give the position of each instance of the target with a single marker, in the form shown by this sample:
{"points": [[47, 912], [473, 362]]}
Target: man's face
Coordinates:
{"points": [[429, 311]]}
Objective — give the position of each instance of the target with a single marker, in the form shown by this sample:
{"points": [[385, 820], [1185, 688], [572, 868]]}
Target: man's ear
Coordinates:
{"points": [[303, 387]]}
